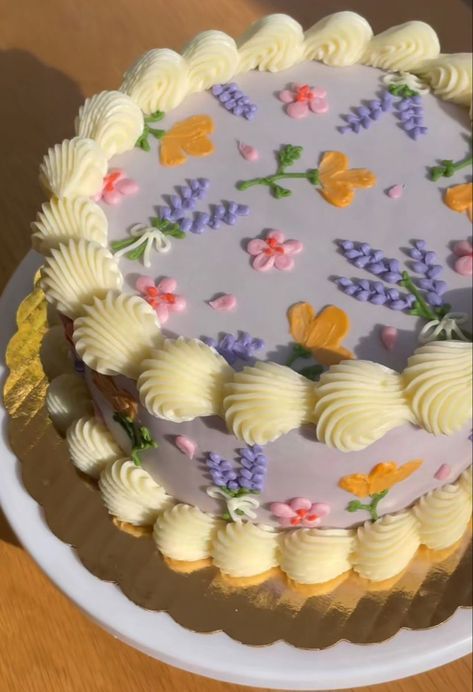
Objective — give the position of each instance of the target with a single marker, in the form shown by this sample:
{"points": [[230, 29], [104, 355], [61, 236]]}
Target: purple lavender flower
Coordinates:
{"points": [[232, 348], [363, 116], [424, 262], [250, 476], [363, 256], [377, 293], [234, 100], [410, 112]]}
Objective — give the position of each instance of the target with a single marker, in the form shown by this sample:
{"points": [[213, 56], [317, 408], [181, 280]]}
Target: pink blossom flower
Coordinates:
{"points": [[273, 251], [115, 186], [300, 99], [300, 512], [161, 296], [463, 250]]}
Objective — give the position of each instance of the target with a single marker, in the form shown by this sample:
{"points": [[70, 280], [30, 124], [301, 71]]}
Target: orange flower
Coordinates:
{"points": [[187, 137], [382, 477], [338, 182], [460, 198], [322, 334]]}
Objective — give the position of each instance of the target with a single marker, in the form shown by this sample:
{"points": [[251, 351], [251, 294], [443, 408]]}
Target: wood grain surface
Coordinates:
{"points": [[53, 53]]}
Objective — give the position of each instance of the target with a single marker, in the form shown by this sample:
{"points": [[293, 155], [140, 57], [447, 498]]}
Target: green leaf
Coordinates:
{"points": [[288, 155], [313, 176], [154, 117], [279, 192], [354, 506], [120, 244], [137, 253], [168, 227], [312, 372], [157, 134]]}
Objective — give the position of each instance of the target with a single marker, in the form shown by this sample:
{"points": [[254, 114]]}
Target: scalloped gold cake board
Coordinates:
{"points": [[256, 611]]}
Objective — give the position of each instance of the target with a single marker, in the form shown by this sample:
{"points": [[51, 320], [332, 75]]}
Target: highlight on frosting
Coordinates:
{"points": [[60, 220], [244, 549], [339, 39], [438, 386], [273, 251], [301, 99], [272, 43], [130, 494], [313, 556], [183, 380], [211, 57], [74, 168], [116, 333], [91, 445], [443, 515], [449, 75], [67, 400], [76, 272], [185, 533], [112, 119], [402, 48]]}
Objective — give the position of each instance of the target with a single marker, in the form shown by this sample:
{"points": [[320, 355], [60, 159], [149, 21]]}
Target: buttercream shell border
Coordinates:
{"points": [[421, 597]]}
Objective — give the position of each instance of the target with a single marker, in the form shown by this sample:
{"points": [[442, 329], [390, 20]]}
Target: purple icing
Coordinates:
{"points": [[363, 256], [364, 115], [232, 348], [410, 112], [424, 262], [250, 476], [376, 292], [234, 100]]}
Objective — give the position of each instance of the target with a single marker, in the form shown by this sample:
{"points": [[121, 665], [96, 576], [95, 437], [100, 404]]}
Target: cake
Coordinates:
{"points": [[258, 250]]}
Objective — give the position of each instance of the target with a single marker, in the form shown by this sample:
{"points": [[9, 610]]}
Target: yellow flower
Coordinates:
{"points": [[382, 477], [322, 334], [187, 137], [338, 182], [460, 198]]}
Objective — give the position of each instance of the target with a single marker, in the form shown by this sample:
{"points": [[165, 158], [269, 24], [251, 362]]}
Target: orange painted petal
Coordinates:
{"points": [[382, 476], [329, 328], [357, 177], [199, 146], [356, 484], [170, 152], [460, 198], [195, 126], [332, 355], [332, 162], [408, 469], [338, 194], [300, 318]]}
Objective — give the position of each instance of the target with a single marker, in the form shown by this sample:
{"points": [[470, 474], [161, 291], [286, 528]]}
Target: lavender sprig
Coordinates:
{"points": [[233, 348], [363, 256], [411, 115], [377, 293], [234, 100], [248, 478], [425, 263], [365, 115]]}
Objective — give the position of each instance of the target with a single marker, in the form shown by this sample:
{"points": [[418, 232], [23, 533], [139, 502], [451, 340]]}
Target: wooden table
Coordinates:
{"points": [[52, 54]]}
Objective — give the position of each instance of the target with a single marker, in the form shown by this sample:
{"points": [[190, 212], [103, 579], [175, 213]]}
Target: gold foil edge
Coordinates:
{"points": [[253, 612]]}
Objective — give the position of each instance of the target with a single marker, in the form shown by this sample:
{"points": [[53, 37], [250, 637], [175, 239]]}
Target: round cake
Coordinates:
{"points": [[259, 252]]}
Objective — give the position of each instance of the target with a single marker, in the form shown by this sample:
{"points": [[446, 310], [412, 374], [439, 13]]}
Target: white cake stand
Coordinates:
{"points": [[214, 655]]}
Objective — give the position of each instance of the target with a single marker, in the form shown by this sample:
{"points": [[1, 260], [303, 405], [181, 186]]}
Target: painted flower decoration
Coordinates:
{"points": [[300, 99], [187, 138], [463, 250], [460, 198], [321, 334], [338, 182], [161, 296], [116, 186], [381, 477], [273, 251], [300, 512]]}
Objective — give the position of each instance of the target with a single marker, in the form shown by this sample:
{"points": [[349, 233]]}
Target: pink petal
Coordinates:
{"points": [[167, 285], [111, 196], [282, 510], [319, 105], [300, 503], [256, 246], [284, 263], [262, 262], [248, 152], [224, 303], [186, 445], [126, 186], [319, 93], [463, 247], [464, 265], [117, 173], [179, 304], [389, 337], [292, 247], [286, 96], [286, 522], [162, 312], [310, 523], [320, 508], [276, 235], [395, 191], [97, 197], [144, 282], [443, 472], [298, 110]]}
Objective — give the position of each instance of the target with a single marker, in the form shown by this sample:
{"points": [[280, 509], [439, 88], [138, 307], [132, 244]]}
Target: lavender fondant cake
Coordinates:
{"points": [[260, 253]]}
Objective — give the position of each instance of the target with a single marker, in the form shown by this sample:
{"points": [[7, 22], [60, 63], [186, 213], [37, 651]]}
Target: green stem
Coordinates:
{"points": [[269, 180], [448, 168], [422, 309], [373, 506], [298, 351]]}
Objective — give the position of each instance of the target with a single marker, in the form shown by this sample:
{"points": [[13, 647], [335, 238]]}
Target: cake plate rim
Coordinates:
{"points": [[214, 655]]}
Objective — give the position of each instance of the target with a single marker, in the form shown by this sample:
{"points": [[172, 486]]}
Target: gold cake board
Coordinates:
{"points": [[254, 612]]}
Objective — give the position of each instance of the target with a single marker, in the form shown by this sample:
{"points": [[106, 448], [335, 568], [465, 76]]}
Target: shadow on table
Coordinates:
{"points": [[6, 533], [39, 104]]}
